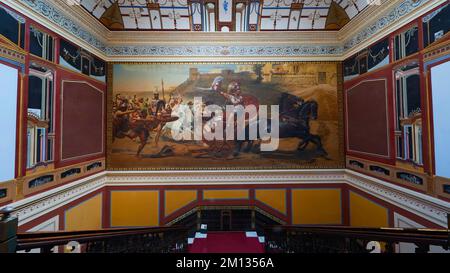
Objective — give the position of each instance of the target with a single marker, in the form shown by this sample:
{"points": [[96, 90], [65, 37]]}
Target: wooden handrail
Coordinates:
{"points": [[440, 237], [31, 240]]}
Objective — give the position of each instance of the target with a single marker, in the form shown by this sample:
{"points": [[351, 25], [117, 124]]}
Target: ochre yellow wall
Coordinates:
{"points": [[316, 206], [366, 213], [274, 198], [225, 194], [176, 199], [134, 208], [86, 215]]}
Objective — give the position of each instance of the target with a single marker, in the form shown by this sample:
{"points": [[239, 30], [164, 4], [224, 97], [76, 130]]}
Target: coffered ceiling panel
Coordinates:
{"points": [[225, 15]]}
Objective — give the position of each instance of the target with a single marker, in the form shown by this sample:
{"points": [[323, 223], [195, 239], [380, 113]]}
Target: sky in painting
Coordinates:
{"points": [[146, 77]]}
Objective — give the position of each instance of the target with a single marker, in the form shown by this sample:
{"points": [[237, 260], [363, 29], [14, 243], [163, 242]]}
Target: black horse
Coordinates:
{"points": [[293, 123]]}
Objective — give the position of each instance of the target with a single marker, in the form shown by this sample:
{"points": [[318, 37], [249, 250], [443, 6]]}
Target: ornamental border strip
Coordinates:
{"points": [[51, 13]]}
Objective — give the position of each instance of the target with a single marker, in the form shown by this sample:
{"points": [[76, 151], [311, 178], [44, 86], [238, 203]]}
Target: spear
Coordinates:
{"points": [[162, 86]]}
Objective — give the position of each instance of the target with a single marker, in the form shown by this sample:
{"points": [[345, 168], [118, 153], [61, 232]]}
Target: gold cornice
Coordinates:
{"points": [[7, 44], [439, 44]]}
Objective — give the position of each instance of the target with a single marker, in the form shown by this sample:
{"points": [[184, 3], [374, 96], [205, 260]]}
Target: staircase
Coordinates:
{"points": [[226, 242]]}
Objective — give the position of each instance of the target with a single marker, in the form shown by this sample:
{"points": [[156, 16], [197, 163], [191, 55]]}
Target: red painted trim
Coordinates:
{"points": [[345, 199], [62, 220], [252, 194], [267, 207], [162, 206], [444, 198], [179, 212], [24, 120], [199, 195], [27, 33], [421, 36], [273, 211], [289, 206], [57, 48], [391, 218], [106, 215], [57, 120]]}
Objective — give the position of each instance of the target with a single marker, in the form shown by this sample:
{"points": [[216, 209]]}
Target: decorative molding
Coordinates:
{"points": [[215, 50], [205, 177], [74, 21], [58, 179], [392, 175], [438, 50], [35, 206], [12, 54], [427, 207]]}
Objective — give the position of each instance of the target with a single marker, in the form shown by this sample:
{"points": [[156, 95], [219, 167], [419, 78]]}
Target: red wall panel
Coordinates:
{"points": [[82, 120], [367, 118]]}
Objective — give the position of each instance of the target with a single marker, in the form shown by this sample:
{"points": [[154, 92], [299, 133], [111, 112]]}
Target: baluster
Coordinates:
{"points": [[47, 249], [422, 248]]}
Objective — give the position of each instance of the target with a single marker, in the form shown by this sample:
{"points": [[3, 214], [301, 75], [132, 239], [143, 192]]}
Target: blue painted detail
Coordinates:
{"points": [[225, 5]]}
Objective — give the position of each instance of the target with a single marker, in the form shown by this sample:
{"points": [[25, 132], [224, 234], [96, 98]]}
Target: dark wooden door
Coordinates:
{"points": [[226, 220]]}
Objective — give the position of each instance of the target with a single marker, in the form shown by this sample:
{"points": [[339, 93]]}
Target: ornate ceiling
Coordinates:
{"points": [[224, 15]]}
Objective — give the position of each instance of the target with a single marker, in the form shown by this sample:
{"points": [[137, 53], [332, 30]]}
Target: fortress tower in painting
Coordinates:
{"points": [[193, 74]]}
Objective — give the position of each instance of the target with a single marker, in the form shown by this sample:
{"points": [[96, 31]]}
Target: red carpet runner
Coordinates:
{"points": [[226, 242]]}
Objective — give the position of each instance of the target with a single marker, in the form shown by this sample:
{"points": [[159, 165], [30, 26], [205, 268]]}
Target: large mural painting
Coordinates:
{"points": [[225, 116]]}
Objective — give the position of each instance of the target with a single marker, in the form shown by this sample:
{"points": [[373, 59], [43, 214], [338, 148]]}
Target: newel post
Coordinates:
{"points": [[8, 230]]}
